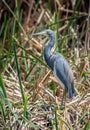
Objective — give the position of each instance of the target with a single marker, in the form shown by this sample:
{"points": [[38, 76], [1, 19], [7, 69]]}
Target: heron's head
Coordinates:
{"points": [[50, 32], [47, 32]]}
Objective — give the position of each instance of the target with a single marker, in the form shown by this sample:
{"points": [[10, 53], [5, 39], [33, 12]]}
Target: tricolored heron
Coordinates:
{"points": [[59, 65]]}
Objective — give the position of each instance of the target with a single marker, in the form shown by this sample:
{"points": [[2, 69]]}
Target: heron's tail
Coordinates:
{"points": [[72, 91]]}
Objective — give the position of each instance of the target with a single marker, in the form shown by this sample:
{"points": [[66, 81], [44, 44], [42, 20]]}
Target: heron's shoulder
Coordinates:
{"points": [[59, 56]]}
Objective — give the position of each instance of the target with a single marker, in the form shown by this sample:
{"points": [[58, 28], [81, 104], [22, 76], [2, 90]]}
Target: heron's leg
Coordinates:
{"points": [[63, 100]]}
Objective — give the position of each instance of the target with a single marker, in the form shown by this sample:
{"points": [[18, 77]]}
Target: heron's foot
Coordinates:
{"points": [[62, 107]]}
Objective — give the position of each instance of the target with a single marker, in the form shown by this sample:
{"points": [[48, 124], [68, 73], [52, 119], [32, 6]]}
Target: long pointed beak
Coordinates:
{"points": [[40, 33]]}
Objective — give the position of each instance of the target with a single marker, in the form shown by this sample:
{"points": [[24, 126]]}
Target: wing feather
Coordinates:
{"points": [[64, 74]]}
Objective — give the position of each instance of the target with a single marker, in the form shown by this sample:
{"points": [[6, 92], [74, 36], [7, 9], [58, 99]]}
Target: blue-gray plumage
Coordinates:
{"points": [[59, 65]]}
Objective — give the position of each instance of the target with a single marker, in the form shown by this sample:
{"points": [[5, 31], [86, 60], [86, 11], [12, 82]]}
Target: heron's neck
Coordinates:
{"points": [[47, 51]]}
